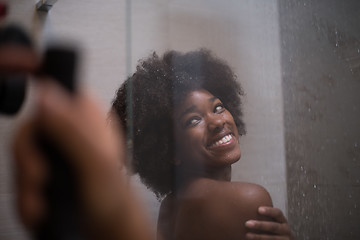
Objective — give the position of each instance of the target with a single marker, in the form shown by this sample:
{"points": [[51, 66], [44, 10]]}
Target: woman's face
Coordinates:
{"points": [[206, 134]]}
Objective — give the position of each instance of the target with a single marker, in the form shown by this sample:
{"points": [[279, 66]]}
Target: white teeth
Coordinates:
{"points": [[225, 139]]}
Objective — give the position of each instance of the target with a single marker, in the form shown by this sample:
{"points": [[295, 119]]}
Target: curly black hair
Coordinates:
{"points": [[145, 104]]}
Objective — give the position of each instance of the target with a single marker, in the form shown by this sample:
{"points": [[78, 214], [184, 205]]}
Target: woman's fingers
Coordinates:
{"points": [[277, 229], [30, 176], [267, 226], [273, 213]]}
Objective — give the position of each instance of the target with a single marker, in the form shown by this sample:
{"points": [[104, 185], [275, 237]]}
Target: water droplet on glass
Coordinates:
{"points": [[315, 186], [355, 144], [303, 195], [336, 44], [302, 168], [358, 50]]}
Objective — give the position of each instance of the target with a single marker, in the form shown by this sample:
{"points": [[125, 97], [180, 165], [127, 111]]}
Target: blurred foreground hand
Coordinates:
{"points": [[97, 152]]}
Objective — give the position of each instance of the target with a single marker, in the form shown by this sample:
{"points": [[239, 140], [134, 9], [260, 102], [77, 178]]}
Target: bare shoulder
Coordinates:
{"points": [[254, 193], [242, 192], [220, 207]]}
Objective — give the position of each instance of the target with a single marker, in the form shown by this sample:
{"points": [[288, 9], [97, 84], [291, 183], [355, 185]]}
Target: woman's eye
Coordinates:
{"points": [[219, 108], [192, 121]]}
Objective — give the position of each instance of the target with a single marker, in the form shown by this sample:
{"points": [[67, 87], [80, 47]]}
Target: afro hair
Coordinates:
{"points": [[145, 104]]}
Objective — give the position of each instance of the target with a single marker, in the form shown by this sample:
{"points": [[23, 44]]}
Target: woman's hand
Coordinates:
{"points": [[278, 229], [96, 152], [78, 127]]}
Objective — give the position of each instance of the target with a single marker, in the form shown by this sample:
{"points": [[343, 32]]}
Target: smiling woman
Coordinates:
{"points": [[206, 135], [186, 123]]}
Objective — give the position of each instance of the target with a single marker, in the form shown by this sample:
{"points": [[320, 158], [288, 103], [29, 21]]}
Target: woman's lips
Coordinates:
{"points": [[226, 140]]}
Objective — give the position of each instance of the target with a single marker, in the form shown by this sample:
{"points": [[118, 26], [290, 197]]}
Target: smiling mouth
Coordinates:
{"points": [[223, 141]]}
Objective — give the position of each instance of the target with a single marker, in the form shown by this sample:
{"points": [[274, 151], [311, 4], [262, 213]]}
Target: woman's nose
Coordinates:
{"points": [[216, 122]]}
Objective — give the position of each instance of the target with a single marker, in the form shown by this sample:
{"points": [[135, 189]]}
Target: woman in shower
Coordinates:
{"points": [[185, 124]]}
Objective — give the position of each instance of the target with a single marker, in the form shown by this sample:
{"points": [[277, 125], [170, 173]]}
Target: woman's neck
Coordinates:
{"points": [[185, 176]]}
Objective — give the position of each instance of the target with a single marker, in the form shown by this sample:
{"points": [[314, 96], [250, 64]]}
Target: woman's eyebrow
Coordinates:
{"points": [[213, 99], [193, 107], [188, 110]]}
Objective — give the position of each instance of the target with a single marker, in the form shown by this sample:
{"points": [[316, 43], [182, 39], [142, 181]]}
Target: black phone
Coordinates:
{"points": [[62, 220], [13, 86]]}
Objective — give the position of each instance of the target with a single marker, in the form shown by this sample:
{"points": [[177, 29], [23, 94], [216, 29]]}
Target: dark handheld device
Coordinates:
{"points": [[12, 86], [12, 93], [62, 220]]}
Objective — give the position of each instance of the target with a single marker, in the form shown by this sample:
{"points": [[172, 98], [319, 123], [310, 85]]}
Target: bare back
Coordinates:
{"points": [[210, 209]]}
